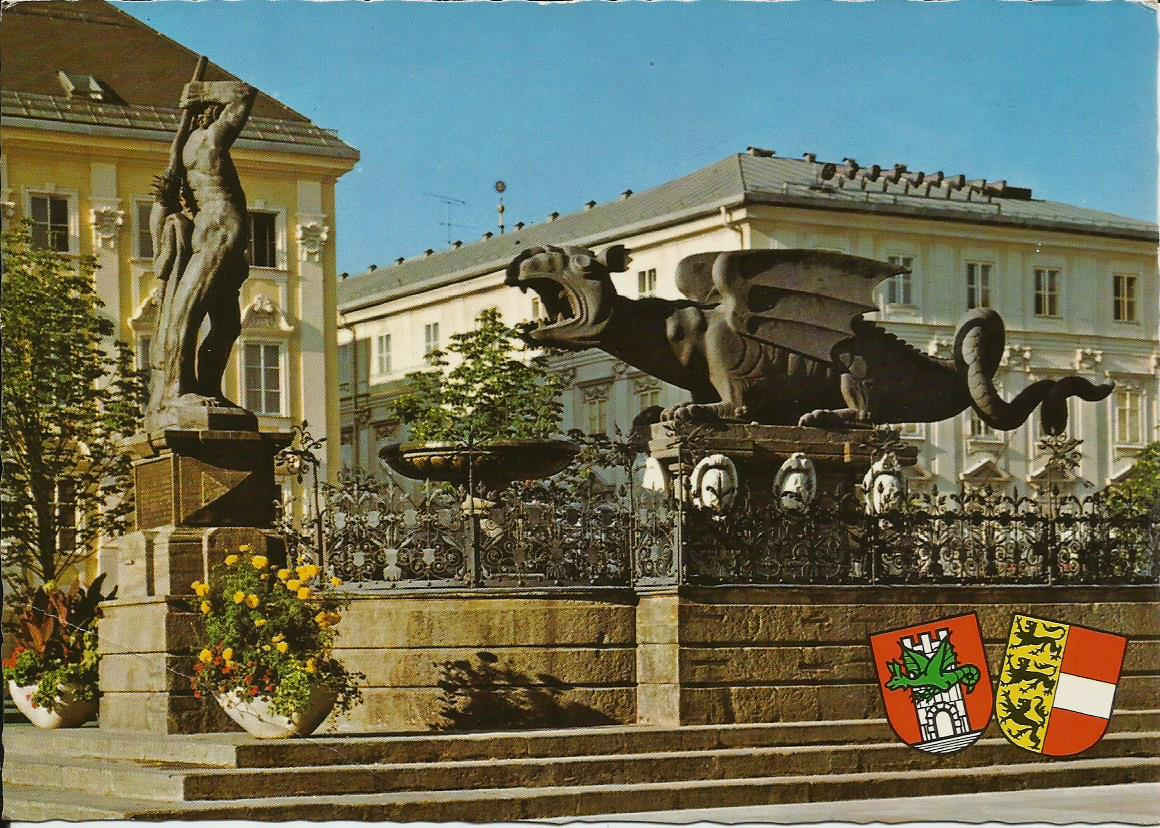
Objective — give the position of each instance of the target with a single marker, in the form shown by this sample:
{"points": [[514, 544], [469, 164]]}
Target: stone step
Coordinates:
{"points": [[30, 803], [172, 782], [510, 804], [211, 749]]}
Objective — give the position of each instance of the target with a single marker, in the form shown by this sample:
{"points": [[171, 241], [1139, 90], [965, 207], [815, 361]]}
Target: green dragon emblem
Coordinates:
{"points": [[927, 677]]}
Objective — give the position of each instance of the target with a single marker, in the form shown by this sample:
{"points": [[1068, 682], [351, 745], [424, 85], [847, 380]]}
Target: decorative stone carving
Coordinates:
{"points": [[1016, 358], [7, 205], [796, 483], [262, 313], [145, 320], [107, 221], [619, 368], [714, 483], [642, 385], [1088, 359], [312, 237], [596, 391], [884, 485]]}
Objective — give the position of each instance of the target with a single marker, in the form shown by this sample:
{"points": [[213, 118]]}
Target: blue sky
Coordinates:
{"points": [[580, 101]]}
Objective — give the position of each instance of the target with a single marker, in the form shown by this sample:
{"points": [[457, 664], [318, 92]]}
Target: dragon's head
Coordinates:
{"points": [[575, 289]]}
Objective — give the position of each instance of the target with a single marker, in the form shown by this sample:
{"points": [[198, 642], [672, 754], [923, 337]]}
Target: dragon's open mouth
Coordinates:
{"points": [[558, 304]]}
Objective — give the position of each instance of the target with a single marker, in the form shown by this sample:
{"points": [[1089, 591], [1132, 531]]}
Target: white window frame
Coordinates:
{"points": [[135, 255], [382, 354], [283, 374], [597, 406], [891, 285], [281, 255], [1055, 310], [1141, 425], [981, 292], [74, 212], [1134, 319], [647, 397], [428, 328], [646, 283]]}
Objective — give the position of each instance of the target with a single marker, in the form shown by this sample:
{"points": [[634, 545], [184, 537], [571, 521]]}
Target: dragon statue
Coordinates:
{"points": [[777, 337]]}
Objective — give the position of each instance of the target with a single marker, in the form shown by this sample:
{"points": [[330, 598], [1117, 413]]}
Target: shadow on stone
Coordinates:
{"points": [[488, 696]]}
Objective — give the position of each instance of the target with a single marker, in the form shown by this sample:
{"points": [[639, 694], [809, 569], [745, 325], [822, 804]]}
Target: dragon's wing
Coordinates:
{"points": [[803, 300], [915, 662], [944, 656]]}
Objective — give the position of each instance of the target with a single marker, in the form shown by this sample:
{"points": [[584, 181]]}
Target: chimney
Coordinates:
{"points": [[457, 244], [552, 216], [428, 252], [400, 260], [760, 152], [588, 205], [625, 195], [488, 234], [343, 275], [810, 157], [519, 225], [373, 268], [851, 169]]}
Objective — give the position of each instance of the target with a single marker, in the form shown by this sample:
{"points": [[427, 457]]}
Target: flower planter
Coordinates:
{"points": [[69, 712], [493, 464], [257, 719]]}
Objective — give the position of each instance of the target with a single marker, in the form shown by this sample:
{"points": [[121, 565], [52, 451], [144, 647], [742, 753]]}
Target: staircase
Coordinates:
{"points": [[502, 777]]}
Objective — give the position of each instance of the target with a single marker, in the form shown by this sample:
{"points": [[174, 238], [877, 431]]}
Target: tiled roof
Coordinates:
{"points": [[143, 70], [734, 181], [78, 113]]}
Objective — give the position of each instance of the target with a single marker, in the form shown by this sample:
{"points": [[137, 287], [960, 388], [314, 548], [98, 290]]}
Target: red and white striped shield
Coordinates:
{"points": [[1058, 685]]}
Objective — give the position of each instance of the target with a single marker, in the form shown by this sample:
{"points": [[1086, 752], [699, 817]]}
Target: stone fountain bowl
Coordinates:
{"points": [[496, 464]]}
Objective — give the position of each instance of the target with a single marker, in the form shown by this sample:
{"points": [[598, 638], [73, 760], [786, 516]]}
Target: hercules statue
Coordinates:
{"points": [[200, 231], [777, 337]]}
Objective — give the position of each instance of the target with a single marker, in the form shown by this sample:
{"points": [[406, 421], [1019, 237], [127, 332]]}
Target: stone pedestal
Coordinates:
{"points": [[200, 494]]}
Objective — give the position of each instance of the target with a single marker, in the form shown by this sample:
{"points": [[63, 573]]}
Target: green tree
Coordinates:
{"points": [[490, 393], [1140, 488], [69, 399]]}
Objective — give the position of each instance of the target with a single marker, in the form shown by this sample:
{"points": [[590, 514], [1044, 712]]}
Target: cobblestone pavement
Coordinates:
{"points": [[1137, 804]]}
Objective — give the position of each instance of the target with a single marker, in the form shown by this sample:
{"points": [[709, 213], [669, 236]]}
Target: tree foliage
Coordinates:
{"points": [[1140, 488], [488, 394], [69, 398]]}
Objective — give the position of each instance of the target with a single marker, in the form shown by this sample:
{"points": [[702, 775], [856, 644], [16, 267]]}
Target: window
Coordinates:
{"points": [[144, 248], [646, 281], [1128, 430], [597, 416], [910, 429], [263, 378], [1046, 292], [980, 430], [978, 285], [898, 286], [383, 354], [263, 239], [1124, 297], [430, 337], [66, 516], [50, 222], [648, 398]]}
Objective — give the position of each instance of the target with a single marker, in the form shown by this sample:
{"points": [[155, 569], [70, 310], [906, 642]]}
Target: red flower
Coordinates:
{"points": [[253, 691], [197, 694]]}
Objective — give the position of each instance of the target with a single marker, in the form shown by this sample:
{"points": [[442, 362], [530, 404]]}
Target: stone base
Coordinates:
{"points": [[202, 418], [191, 477]]}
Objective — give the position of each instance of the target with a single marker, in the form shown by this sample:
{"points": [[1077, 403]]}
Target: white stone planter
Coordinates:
{"points": [[256, 717], [69, 712]]}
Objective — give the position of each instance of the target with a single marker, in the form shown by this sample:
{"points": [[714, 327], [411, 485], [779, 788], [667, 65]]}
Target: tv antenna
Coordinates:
{"points": [[500, 186], [449, 202]]}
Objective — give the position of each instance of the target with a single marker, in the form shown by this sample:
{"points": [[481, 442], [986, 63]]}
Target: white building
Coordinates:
{"points": [[1077, 289]]}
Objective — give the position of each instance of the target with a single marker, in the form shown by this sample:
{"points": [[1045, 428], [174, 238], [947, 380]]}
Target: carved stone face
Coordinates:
{"points": [[207, 115], [575, 289]]}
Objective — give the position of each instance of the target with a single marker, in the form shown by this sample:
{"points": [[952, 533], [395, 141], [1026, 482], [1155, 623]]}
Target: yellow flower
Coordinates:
{"points": [[283, 574], [245, 547], [293, 585], [304, 593], [239, 596], [259, 562], [282, 646], [278, 637], [252, 601], [265, 648], [333, 618], [321, 618], [205, 656], [310, 666], [307, 571], [228, 653], [336, 581], [231, 560], [206, 608], [202, 590], [259, 622]]}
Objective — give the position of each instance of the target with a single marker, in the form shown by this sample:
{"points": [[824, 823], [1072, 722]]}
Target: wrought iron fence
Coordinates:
{"points": [[572, 530]]}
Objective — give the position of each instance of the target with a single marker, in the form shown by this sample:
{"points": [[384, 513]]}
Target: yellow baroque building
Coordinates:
{"points": [[89, 103]]}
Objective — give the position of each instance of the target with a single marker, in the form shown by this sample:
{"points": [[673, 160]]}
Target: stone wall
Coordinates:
{"points": [[491, 661]]}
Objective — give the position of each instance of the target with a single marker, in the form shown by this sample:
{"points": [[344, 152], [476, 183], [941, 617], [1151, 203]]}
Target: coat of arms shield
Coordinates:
{"points": [[1057, 686], [934, 682]]}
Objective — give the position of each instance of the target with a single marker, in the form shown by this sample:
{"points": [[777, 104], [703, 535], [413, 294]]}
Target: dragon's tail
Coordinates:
{"points": [[978, 349]]}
